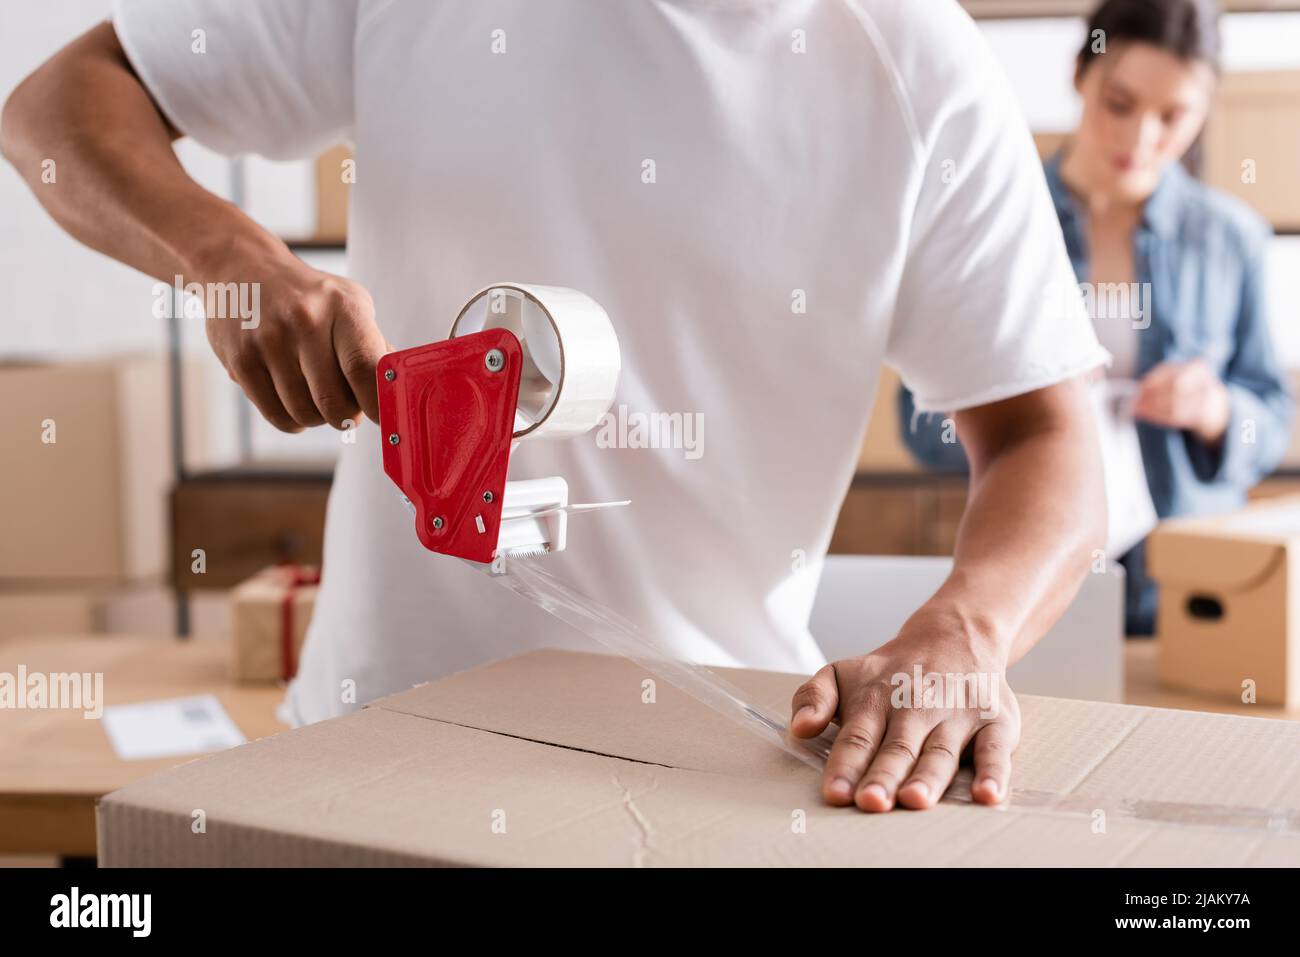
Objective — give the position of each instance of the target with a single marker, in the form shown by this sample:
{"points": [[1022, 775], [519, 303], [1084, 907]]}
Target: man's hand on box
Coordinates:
{"points": [[908, 711], [308, 356]]}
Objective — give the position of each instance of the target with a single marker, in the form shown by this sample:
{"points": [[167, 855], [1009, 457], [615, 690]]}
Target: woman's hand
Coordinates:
{"points": [[1185, 395], [908, 710]]}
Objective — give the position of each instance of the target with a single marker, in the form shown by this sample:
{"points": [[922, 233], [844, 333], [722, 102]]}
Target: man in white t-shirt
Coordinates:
{"points": [[768, 198]]}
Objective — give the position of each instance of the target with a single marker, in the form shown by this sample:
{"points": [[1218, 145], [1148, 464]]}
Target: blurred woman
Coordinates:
{"points": [[1172, 272]]}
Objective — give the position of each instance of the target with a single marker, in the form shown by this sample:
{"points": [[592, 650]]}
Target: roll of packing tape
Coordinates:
{"points": [[571, 357]]}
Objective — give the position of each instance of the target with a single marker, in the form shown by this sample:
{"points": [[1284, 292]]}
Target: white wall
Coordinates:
{"points": [[62, 299], [66, 301], [1038, 56]]}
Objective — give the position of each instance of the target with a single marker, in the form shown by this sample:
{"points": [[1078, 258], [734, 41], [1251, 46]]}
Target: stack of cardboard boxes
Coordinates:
{"points": [[83, 497], [85, 504]]}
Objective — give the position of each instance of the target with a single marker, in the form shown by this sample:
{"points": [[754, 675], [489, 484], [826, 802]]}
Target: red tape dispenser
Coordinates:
{"points": [[520, 362]]}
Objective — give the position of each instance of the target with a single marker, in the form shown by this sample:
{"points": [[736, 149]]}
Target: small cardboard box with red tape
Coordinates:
{"points": [[269, 614]]}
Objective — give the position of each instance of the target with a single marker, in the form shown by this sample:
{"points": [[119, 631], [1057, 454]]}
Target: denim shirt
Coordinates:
{"points": [[1203, 254]]}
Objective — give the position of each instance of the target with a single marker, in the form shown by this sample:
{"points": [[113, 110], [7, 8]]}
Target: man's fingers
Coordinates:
{"points": [[892, 764], [329, 389], [994, 744], [813, 705], [291, 386], [935, 768], [860, 735], [249, 373], [358, 346]]}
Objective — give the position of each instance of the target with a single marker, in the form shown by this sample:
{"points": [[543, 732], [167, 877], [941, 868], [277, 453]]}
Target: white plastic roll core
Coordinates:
{"points": [[571, 359]]}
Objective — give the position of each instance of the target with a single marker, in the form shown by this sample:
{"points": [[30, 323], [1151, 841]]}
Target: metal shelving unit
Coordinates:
{"points": [[275, 476]]}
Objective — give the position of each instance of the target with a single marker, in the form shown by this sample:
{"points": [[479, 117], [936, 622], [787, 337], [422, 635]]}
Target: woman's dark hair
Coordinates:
{"points": [[1188, 29]]}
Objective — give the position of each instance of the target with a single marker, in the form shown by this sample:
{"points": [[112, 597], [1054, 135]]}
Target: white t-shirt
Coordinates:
{"points": [[768, 198], [1118, 336]]}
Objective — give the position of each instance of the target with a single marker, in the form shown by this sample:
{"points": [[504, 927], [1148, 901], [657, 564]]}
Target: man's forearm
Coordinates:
{"points": [[1035, 516], [118, 186], [309, 355]]}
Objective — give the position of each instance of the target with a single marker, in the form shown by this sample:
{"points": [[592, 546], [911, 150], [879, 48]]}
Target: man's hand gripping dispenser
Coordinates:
{"points": [[520, 362]]}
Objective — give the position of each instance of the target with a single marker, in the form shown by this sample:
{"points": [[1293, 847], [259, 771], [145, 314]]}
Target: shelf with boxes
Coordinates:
{"points": [[83, 496], [102, 520]]}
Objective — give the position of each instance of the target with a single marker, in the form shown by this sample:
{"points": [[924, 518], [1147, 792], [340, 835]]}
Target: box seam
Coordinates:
{"points": [[549, 744]]}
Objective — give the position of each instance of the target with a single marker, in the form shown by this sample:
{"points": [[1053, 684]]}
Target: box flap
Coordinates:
{"points": [[601, 703], [1199, 555]]}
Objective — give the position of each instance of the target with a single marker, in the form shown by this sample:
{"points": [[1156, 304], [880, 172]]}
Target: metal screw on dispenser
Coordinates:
{"points": [[437, 521], [487, 497], [390, 375], [495, 360], [393, 439]]}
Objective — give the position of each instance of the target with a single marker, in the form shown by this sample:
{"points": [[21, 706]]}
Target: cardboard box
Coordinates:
{"points": [[559, 758], [139, 610], [87, 469], [1251, 141], [122, 610], [142, 609], [332, 196], [151, 610], [1049, 144], [882, 448], [48, 612], [1229, 587], [269, 615], [1291, 457]]}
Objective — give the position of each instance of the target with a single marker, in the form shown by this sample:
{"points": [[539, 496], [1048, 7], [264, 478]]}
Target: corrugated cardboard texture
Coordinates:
{"points": [[554, 758]]}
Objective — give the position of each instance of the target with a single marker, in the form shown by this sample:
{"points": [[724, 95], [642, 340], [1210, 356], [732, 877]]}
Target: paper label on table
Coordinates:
{"points": [[170, 728], [1130, 511]]}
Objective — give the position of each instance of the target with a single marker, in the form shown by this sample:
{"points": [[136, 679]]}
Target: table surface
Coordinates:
{"points": [[1142, 686], [54, 764]]}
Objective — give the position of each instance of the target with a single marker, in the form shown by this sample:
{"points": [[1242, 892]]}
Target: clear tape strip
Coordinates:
{"points": [[1233, 817], [621, 636]]}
